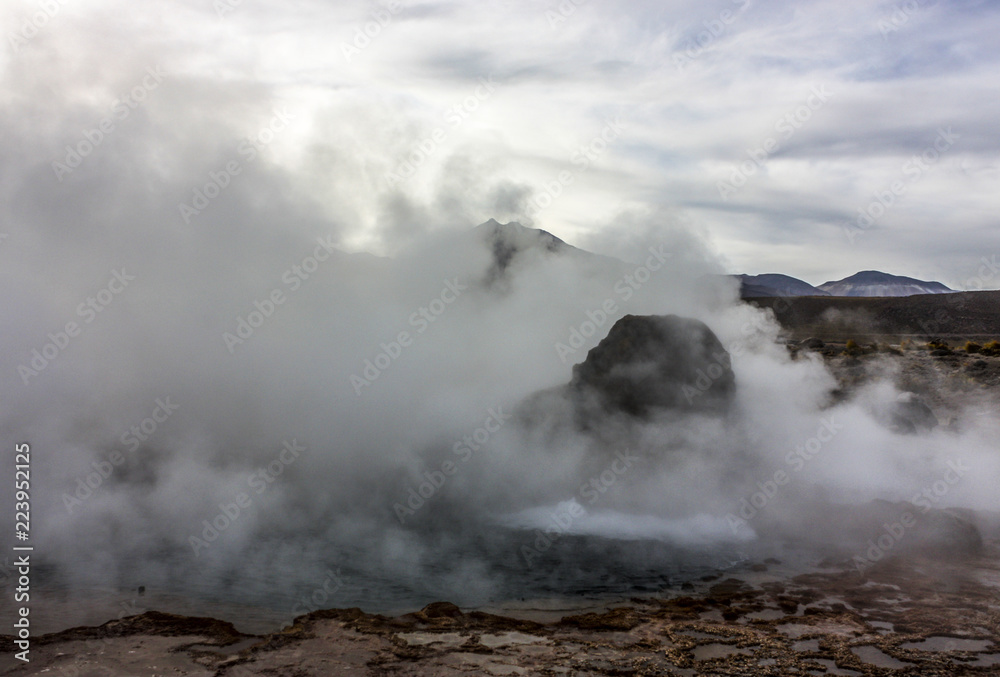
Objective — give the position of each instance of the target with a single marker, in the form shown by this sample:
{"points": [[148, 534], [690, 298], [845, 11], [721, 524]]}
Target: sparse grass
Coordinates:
{"points": [[852, 348], [992, 349], [938, 344], [972, 347]]}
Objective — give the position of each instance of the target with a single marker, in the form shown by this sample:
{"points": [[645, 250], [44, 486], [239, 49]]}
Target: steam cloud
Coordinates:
{"points": [[284, 400]]}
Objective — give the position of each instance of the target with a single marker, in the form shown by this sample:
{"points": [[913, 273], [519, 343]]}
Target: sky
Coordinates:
{"points": [[813, 139]]}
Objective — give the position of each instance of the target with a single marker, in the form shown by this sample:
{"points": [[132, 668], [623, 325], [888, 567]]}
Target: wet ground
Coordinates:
{"points": [[914, 617]]}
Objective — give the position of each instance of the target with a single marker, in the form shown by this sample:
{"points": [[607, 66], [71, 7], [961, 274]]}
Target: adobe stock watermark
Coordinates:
{"points": [[933, 494], [893, 532], [224, 7], [913, 171], [59, 341], [722, 362], [31, 26], [121, 108], [582, 158], [435, 480], [720, 365], [260, 481], [900, 17], [625, 288], [249, 148], [293, 279], [937, 323], [365, 34], [715, 28], [421, 320], [569, 512], [88, 485], [320, 597], [786, 126], [986, 273], [454, 116], [563, 11], [795, 460]]}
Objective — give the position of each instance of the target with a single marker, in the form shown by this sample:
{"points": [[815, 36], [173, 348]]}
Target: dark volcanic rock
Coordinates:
{"points": [[656, 361], [910, 415]]}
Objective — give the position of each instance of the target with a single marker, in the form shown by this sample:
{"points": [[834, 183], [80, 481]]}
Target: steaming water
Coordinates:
{"points": [[574, 572]]}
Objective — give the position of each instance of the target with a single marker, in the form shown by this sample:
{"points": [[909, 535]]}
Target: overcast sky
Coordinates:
{"points": [[768, 127]]}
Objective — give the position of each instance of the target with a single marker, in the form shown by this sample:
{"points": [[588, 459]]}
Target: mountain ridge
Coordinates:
{"points": [[776, 284], [509, 241]]}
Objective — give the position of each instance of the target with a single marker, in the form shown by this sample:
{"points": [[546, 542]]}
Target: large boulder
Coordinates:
{"points": [[654, 362]]}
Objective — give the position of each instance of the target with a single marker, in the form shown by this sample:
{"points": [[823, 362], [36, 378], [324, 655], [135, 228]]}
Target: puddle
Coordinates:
{"points": [[806, 645], [990, 578], [876, 657], [832, 669], [767, 662], [448, 639], [986, 660], [828, 602], [713, 615], [766, 615], [706, 652], [508, 638], [796, 630], [873, 584], [883, 627], [948, 644]]}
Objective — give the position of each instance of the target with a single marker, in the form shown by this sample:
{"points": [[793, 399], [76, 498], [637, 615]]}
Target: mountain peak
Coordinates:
{"points": [[508, 240], [877, 283]]}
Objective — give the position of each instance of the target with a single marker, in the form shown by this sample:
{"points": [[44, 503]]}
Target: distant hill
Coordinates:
{"points": [[776, 284], [875, 283]]}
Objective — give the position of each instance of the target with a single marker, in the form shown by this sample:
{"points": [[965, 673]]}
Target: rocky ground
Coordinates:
{"points": [[951, 381], [955, 317], [915, 617], [909, 613]]}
